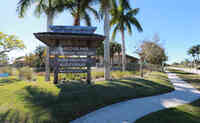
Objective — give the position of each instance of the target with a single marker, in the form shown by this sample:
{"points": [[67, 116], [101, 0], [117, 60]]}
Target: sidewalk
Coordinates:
{"points": [[190, 70], [134, 109]]}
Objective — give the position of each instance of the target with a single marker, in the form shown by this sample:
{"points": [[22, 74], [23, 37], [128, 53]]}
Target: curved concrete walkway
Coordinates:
{"points": [[130, 111]]}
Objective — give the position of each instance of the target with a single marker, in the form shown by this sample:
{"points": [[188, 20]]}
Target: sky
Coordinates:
{"points": [[177, 22]]}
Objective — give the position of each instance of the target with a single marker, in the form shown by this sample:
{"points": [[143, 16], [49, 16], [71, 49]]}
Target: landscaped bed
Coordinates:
{"points": [[188, 113], [22, 101]]}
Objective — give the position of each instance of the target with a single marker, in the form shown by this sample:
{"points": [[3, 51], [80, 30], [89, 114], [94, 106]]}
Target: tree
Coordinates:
{"points": [[114, 48], [40, 54], [80, 10], [4, 59], [50, 8], [151, 52], [123, 19], [30, 60], [194, 51], [9, 43], [105, 7]]}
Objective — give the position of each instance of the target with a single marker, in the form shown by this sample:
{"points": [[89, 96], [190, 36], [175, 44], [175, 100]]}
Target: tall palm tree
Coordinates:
{"points": [[80, 9], [123, 19], [50, 8], [105, 7]]}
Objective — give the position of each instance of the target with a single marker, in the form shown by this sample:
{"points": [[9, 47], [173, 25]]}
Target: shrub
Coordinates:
{"points": [[96, 75], [8, 70], [120, 74], [71, 76], [133, 66], [25, 73]]}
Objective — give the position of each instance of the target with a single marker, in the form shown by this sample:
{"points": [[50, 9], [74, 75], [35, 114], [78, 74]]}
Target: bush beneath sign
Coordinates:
{"points": [[120, 74], [26, 73], [97, 75], [6, 69]]}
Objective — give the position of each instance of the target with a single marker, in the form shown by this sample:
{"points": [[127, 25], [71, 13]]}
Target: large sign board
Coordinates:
{"points": [[70, 51], [72, 71], [74, 60]]}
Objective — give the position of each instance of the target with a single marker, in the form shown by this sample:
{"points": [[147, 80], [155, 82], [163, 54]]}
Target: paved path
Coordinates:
{"points": [[190, 70], [134, 109]]}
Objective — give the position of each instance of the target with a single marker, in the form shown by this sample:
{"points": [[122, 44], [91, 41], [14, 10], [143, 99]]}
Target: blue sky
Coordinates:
{"points": [[176, 21]]}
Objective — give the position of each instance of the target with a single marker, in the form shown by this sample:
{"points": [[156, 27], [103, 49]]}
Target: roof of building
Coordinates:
{"points": [[132, 57], [129, 56], [50, 38]]}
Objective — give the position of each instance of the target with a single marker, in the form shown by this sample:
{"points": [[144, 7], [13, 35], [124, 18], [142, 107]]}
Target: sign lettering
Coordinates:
{"points": [[73, 71]]}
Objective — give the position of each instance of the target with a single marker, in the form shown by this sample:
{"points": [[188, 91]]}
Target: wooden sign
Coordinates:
{"points": [[70, 51], [73, 71], [74, 62], [73, 53], [74, 59], [71, 41]]}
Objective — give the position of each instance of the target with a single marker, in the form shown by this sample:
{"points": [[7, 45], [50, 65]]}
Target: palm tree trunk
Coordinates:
{"points": [[106, 45], [77, 16], [123, 52], [47, 66], [141, 67]]}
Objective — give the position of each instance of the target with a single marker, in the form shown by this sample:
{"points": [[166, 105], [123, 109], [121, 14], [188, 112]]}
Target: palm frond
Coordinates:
{"points": [[114, 9], [113, 21], [85, 4], [94, 12], [115, 32], [128, 26], [39, 8], [133, 12], [114, 4], [59, 5], [22, 7], [136, 23], [87, 19], [104, 4], [125, 4]]}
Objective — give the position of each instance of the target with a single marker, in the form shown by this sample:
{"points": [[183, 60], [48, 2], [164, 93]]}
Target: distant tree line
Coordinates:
{"points": [[115, 48], [194, 51], [150, 51], [35, 60], [8, 43], [152, 54]]}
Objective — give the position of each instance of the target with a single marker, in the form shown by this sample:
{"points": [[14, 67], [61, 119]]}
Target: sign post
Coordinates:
{"points": [[89, 72]]}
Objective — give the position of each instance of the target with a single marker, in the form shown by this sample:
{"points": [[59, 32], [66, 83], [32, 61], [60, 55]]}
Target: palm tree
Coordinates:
{"points": [[122, 19], [119, 50], [48, 7], [105, 6], [80, 9], [192, 51]]}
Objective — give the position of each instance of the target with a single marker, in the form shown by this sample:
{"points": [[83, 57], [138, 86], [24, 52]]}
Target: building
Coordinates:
{"points": [[117, 60]]}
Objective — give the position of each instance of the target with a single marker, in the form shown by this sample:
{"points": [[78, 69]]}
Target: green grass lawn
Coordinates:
{"points": [[41, 102], [189, 113]]}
